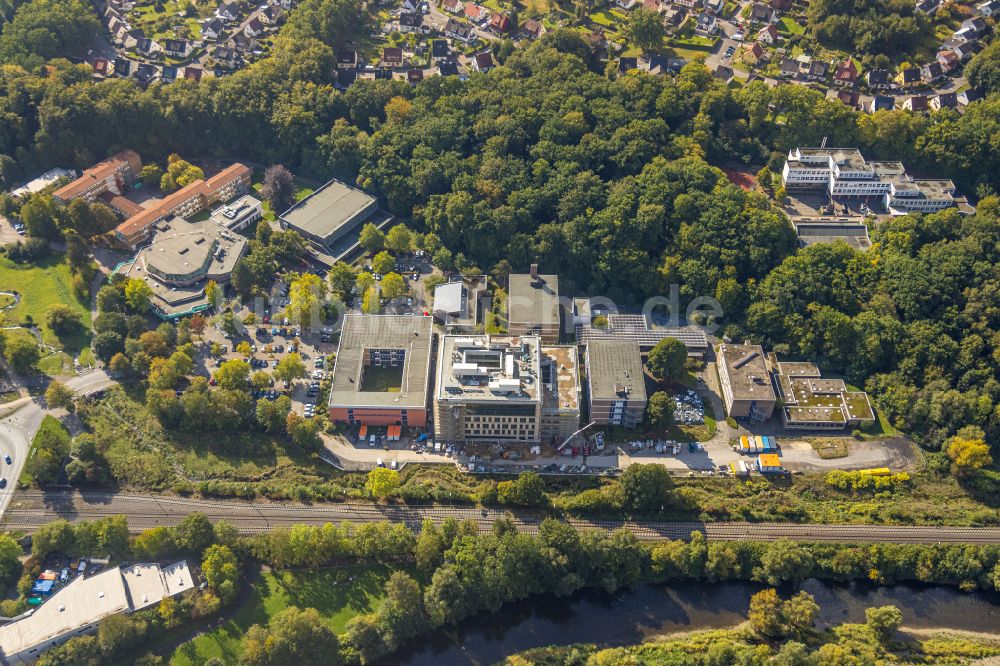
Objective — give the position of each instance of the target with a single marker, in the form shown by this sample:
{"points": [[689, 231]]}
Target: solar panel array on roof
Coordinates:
{"points": [[746, 359]]}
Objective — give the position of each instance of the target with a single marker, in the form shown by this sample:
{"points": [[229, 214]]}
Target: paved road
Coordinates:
{"points": [[34, 508], [22, 420]]}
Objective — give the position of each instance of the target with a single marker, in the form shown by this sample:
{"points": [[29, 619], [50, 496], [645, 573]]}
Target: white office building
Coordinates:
{"points": [[78, 608], [844, 172]]}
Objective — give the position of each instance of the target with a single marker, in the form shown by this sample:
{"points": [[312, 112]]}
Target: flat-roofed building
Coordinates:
{"points": [[616, 382], [43, 181], [560, 380], [810, 402], [185, 202], [853, 233], [844, 172], [78, 607], [458, 304], [331, 219], [114, 174], [238, 214], [745, 381], [179, 262], [382, 372], [639, 329], [488, 389], [533, 306], [919, 195]]}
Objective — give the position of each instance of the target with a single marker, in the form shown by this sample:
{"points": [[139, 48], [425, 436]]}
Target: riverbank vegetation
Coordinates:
{"points": [[841, 645], [448, 572]]}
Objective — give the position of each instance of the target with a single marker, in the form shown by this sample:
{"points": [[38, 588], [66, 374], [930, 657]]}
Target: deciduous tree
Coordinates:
{"points": [[667, 359]]}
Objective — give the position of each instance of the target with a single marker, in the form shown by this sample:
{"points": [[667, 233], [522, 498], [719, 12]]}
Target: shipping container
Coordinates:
{"points": [[877, 471]]}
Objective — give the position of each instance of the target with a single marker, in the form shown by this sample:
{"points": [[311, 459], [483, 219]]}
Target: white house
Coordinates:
{"points": [[228, 11], [768, 34], [988, 8], [253, 28], [212, 29]]}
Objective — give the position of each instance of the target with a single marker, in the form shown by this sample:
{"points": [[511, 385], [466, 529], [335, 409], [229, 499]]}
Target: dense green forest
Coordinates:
{"points": [[606, 181], [888, 27]]}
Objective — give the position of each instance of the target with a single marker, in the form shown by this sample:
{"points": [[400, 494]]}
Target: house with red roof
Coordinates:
{"points": [[847, 72], [499, 23], [476, 13], [768, 34]]}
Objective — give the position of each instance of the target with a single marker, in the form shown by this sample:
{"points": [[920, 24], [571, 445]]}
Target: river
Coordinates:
{"points": [[629, 617]]}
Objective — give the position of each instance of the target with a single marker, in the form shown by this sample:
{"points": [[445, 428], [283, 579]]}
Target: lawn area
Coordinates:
{"points": [[41, 285], [59, 364], [687, 53], [159, 25], [326, 590], [382, 379], [791, 26], [539, 7], [697, 40], [302, 190], [607, 17]]}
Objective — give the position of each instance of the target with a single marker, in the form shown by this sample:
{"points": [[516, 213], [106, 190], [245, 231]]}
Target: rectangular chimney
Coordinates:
{"points": [[534, 270]]}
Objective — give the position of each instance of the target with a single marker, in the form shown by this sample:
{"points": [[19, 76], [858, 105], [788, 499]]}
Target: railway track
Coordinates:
{"points": [[29, 510]]}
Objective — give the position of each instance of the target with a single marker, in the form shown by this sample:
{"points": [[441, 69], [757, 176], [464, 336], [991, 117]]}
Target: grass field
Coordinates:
{"points": [[791, 26], [40, 285], [539, 7], [326, 590], [59, 364], [609, 18], [159, 25]]}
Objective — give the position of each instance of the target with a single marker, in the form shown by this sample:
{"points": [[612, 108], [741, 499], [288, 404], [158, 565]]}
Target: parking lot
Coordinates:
{"points": [[270, 341], [816, 205], [10, 232], [414, 268]]}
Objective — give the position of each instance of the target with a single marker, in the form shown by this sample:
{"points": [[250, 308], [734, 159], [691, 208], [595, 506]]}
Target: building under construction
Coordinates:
{"points": [[505, 390]]}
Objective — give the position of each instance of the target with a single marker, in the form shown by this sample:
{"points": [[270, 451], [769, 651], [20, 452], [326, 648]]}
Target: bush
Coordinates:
{"points": [[859, 481]]}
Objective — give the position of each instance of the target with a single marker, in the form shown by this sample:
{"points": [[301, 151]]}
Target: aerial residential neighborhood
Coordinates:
{"points": [[499, 332]]}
